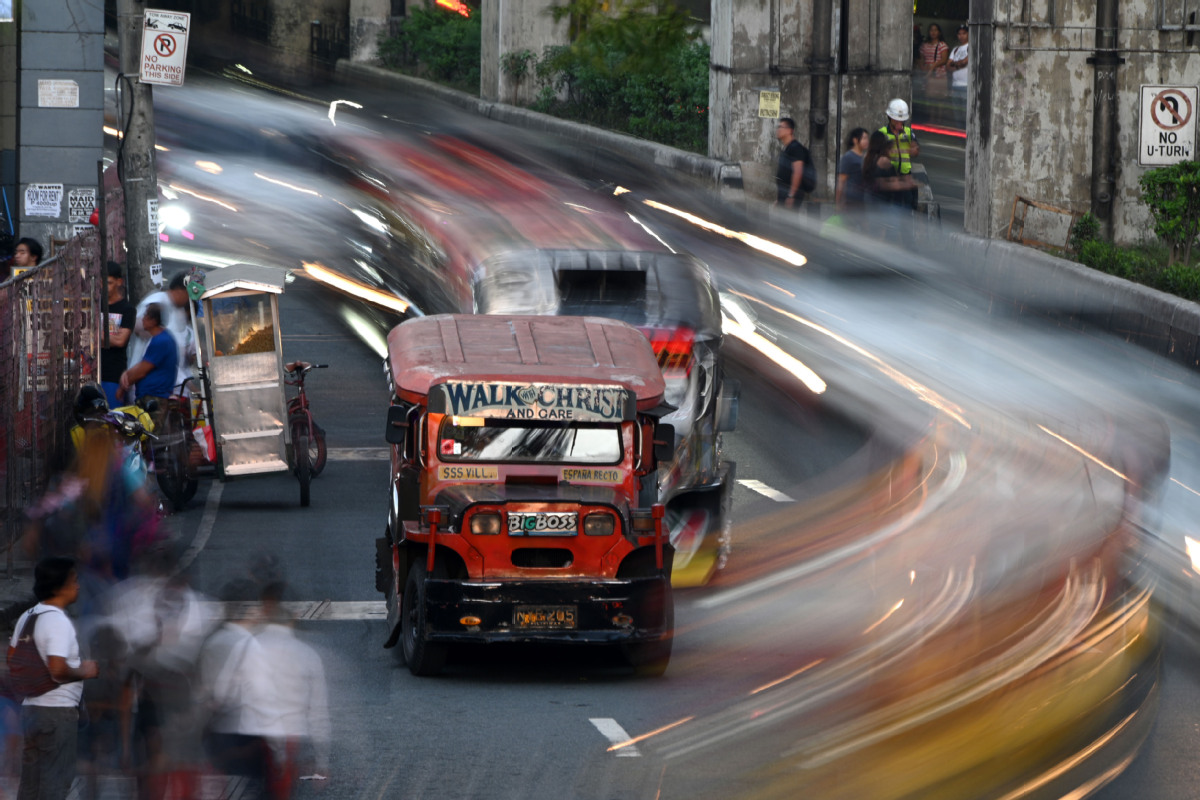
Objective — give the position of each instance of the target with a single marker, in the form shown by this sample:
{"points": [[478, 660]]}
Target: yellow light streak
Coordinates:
{"points": [[787, 362], [644, 736], [327, 276], [176, 187], [884, 618], [1084, 453], [1193, 551], [923, 392], [780, 289], [211, 167], [620, 190], [784, 254], [121, 135], [787, 677], [287, 185]]}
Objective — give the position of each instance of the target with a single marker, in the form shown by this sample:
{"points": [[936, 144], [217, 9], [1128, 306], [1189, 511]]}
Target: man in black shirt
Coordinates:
{"points": [[121, 319], [789, 177]]}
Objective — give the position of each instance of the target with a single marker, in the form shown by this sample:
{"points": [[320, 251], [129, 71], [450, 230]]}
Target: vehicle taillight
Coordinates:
{"points": [[673, 348]]}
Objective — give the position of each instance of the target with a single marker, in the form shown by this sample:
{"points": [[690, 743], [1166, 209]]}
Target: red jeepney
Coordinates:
{"points": [[524, 505]]}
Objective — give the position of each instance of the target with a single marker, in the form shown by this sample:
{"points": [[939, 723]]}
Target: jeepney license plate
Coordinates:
{"points": [[544, 617]]}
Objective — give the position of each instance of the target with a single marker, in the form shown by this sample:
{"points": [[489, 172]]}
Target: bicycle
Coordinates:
{"points": [[308, 438]]}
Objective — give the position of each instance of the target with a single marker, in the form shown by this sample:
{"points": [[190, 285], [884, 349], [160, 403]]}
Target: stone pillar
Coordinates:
{"points": [[515, 26], [768, 45], [368, 19], [60, 115]]}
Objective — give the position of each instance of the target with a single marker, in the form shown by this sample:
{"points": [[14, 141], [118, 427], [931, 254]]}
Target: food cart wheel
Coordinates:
{"points": [[303, 467], [423, 658]]}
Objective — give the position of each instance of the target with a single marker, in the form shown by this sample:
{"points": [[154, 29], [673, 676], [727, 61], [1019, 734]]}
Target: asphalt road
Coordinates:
{"points": [[539, 723]]}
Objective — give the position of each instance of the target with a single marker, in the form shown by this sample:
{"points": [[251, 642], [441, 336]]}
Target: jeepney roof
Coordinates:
{"points": [[426, 351], [252, 277]]}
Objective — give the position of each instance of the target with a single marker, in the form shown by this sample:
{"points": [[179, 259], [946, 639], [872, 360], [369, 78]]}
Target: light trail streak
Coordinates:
{"points": [[884, 618], [327, 276], [203, 197], [786, 361], [634, 740], [923, 392], [787, 677], [287, 185], [333, 109], [1084, 453], [784, 254]]}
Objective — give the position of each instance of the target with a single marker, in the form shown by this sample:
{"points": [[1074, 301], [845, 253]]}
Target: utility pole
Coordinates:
{"points": [[139, 176]]}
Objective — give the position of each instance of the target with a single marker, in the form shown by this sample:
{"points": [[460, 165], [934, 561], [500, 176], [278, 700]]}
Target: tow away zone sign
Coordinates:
{"points": [[164, 47], [1168, 129]]}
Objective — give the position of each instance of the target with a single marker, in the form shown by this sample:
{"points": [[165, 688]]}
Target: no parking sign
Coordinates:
{"points": [[164, 47]]}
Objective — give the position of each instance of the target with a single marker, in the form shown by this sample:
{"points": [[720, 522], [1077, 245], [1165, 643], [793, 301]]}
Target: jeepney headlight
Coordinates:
{"points": [[485, 524], [599, 524]]}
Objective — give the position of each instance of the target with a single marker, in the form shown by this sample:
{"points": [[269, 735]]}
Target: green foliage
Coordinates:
{"points": [[1173, 195], [517, 63], [1087, 229], [624, 35], [439, 44], [668, 104], [1180, 280]]}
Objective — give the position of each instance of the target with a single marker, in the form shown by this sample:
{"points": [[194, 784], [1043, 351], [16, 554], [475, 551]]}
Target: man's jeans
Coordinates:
{"points": [[48, 762]]}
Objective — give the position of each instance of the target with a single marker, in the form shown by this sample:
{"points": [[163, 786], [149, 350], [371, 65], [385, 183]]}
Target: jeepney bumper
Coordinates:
{"points": [[599, 612]]}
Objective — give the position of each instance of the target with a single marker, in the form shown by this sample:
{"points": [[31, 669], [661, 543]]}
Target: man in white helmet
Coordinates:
{"points": [[906, 145]]}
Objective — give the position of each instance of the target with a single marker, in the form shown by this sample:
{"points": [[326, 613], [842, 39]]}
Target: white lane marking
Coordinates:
{"points": [[766, 491], [954, 479], [611, 730], [211, 503], [357, 454]]}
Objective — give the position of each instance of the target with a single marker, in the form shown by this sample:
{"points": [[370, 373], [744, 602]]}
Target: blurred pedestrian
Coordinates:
{"points": [[302, 709], [849, 195], [121, 320], [957, 63], [239, 692], [155, 373], [934, 55], [795, 173], [50, 721], [175, 315], [887, 191]]}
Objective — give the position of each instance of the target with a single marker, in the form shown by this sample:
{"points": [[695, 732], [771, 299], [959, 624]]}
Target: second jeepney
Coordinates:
{"points": [[523, 506]]}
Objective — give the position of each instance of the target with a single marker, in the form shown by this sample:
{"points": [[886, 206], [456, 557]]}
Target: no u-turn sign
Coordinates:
{"points": [[1168, 130]]}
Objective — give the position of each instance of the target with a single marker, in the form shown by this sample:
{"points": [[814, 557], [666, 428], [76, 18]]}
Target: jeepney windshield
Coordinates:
{"points": [[478, 439]]}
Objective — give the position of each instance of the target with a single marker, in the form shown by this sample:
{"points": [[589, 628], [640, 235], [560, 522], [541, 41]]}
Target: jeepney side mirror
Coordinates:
{"points": [[397, 425], [664, 442]]}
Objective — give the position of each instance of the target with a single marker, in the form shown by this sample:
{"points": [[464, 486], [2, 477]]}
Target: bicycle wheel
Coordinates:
{"points": [[303, 466], [171, 465], [316, 441], [316, 449]]}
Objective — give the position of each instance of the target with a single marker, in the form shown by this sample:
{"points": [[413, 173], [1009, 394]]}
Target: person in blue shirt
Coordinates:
{"points": [[155, 374]]}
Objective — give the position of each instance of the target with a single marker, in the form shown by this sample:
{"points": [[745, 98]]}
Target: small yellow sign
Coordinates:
{"points": [[768, 104], [590, 475], [464, 472]]}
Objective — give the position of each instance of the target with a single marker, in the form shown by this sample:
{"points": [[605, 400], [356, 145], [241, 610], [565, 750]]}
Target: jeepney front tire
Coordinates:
{"points": [[649, 659], [424, 658]]}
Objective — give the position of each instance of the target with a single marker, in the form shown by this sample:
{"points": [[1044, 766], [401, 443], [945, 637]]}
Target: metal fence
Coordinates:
{"points": [[49, 347]]}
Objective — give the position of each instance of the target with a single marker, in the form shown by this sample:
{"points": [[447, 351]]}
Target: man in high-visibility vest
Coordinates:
{"points": [[902, 136]]}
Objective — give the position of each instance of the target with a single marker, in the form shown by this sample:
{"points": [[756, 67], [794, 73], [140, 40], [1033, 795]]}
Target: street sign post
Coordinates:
{"points": [[1168, 125], [164, 47]]}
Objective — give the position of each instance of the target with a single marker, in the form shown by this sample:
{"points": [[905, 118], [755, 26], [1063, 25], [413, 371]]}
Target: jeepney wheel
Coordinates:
{"points": [[423, 658], [649, 659], [303, 467]]}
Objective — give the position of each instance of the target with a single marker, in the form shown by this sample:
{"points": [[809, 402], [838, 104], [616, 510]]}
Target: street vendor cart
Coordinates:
{"points": [[243, 391]]}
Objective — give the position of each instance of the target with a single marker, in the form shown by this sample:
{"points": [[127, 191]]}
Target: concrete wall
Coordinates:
{"points": [[510, 26], [1031, 109], [291, 32], [60, 40], [368, 19], [769, 44], [8, 122]]}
